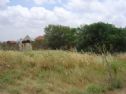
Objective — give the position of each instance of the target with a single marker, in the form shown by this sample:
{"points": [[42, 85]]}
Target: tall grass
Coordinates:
{"points": [[57, 72]]}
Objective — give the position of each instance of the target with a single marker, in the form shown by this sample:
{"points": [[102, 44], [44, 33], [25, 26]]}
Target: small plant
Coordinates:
{"points": [[112, 69], [6, 79], [115, 84], [76, 91], [94, 89]]}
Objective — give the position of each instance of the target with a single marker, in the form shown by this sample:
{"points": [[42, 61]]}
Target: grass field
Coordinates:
{"points": [[60, 72]]}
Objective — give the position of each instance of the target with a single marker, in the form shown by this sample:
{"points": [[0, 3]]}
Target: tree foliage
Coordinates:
{"points": [[96, 37], [60, 37], [99, 37]]}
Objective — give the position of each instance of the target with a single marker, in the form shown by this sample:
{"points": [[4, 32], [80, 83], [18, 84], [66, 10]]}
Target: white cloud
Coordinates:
{"points": [[99, 10], [18, 21], [39, 2], [4, 2]]}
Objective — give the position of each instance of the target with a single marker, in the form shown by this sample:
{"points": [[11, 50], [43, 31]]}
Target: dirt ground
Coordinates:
{"points": [[121, 91]]}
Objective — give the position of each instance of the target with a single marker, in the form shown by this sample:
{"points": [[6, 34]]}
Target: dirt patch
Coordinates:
{"points": [[121, 91]]}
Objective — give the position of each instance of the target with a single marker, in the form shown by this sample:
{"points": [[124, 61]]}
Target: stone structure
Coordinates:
{"points": [[25, 44]]}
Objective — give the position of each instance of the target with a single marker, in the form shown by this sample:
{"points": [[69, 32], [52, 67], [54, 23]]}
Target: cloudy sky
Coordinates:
{"points": [[28, 17]]}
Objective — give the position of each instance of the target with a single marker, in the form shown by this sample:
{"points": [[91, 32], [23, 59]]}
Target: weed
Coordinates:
{"points": [[94, 89]]}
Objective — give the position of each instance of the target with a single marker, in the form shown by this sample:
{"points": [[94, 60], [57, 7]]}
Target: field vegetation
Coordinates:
{"points": [[61, 72]]}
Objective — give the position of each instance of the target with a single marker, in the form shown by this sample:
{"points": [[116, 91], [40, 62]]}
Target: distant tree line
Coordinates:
{"points": [[96, 37]]}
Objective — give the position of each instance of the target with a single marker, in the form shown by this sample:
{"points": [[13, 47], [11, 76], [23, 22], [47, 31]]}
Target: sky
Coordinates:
{"points": [[19, 18]]}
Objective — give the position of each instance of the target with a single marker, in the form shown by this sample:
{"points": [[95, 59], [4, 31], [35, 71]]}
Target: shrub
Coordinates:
{"points": [[94, 89]]}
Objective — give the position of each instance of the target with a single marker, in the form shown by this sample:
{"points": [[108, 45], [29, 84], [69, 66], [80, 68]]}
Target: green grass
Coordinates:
{"points": [[59, 72]]}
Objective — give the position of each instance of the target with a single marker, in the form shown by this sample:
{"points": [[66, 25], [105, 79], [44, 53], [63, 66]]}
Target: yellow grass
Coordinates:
{"points": [[56, 72]]}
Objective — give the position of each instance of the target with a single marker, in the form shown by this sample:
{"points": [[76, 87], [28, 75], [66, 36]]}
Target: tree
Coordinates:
{"points": [[101, 36], [60, 37]]}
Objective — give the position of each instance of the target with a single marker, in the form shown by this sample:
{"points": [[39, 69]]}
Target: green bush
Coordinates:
{"points": [[94, 89]]}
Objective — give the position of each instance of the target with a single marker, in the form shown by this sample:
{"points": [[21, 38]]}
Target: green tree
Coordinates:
{"points": [[101, 36], [60, 37]]}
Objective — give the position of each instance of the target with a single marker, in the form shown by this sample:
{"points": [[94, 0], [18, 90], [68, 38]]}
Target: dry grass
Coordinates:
{"points": [[56, 72]]}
